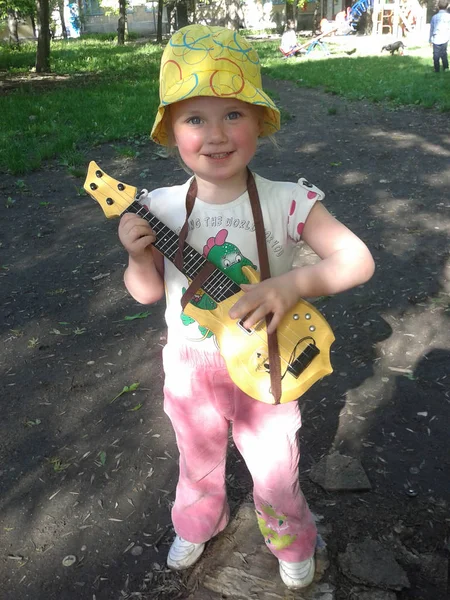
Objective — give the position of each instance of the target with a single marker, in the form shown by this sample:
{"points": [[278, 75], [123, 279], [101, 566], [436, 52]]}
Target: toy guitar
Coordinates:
{"points": [[304, 336]]}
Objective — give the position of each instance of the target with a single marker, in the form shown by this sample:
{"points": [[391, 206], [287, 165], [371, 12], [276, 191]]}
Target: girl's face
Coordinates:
{"points": [[216, 137]]}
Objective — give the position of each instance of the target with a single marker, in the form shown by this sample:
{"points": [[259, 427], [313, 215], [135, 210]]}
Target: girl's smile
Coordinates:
{"points": [[220, 156]]}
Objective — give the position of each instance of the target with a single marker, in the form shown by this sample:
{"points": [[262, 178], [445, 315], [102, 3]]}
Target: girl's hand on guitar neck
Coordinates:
{"points": [[144, 274], [135, 234]]}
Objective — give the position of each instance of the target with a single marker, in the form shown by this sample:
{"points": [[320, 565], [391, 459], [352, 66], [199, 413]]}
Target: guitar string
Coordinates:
{"points": [[195, 261], [217, 284], [226, 301]]}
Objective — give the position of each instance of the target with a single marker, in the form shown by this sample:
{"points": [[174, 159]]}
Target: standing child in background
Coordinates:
{"points": [[213, 110], [440, 35]]}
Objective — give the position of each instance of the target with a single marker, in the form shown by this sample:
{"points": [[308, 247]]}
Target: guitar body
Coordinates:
{"points": [[246, 352], [304, 336]]}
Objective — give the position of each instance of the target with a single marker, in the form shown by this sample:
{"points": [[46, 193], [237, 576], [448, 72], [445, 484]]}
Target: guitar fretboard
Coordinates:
{"points": [[218, 285]]}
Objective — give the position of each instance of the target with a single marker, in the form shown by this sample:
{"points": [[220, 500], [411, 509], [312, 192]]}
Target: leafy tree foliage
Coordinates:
{"points": [[13, 10], [22, 8]]}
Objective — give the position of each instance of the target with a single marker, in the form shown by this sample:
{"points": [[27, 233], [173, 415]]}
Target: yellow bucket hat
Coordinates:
{"points": [[211, 61]]}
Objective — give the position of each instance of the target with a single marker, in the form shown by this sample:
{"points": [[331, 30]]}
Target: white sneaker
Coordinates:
{"points": [[183, 554], [297, 575]]}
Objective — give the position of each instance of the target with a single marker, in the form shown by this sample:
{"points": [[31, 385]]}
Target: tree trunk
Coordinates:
{"points": [[121, 25], [33, 26], [13, 26], [171, 16], [159, 22], [233, 19], [182, 13], [43, 46], [317, 15], [289, 11], [80, 15], [61, 17]]}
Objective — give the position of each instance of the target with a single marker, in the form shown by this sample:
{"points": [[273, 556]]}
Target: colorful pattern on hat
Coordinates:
{"points": [[211, 61]]}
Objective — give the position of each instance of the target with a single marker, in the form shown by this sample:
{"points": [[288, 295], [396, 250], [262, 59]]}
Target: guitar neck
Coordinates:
{"points": [[218, 285]]}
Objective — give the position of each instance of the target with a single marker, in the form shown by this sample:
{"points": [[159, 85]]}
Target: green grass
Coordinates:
{"points": [[400, 80], [111, 94]]}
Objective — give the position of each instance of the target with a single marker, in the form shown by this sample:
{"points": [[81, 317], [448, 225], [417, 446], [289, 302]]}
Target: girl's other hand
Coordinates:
{"points": [[135, 234], [273, 296]]}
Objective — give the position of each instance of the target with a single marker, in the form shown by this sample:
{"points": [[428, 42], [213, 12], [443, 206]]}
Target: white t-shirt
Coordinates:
{"points": [[225, 235], [288, 40]]}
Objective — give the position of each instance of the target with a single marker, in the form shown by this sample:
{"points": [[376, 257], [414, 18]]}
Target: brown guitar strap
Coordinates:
{"points": [[197, 282], [190, 200], [203, 275], [272, 339]]}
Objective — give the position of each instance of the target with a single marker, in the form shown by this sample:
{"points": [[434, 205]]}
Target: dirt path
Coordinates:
{"points": [[85, 476]]}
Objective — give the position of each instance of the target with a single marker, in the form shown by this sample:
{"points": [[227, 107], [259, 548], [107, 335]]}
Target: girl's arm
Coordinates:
{"points": [[346, 262], [144, 276]]}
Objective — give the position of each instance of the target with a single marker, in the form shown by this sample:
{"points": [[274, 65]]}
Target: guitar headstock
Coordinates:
{"points": [[113, 196]]}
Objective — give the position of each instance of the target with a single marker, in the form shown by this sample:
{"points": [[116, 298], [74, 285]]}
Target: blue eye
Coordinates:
{"points": [[194, 120], [233, 115]]}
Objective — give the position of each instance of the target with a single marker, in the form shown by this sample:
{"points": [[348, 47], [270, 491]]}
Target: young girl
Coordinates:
{"points": [[213, 110]]}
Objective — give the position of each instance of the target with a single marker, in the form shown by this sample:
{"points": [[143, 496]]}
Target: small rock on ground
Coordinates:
{"points": [[371, 563], [337, 472]]}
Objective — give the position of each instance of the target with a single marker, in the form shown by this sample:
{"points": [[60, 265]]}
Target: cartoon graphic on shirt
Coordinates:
{"points": [[200, 300], [228, 258], [272, 525]]}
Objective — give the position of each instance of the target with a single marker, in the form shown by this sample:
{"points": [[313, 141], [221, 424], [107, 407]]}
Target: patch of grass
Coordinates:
{"points": [[20, 183], [72, 158], [285, 116], [111, 93], [116, 98], [89, 54], [399, 80], [77, 171], [127, 151]]}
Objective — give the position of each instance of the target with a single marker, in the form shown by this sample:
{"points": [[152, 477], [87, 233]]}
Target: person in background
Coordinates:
{"points": [[440, 35], [326, 26], [289, 45]]}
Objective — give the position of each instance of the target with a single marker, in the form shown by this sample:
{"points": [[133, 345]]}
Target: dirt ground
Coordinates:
{"points": [[87, 476]]}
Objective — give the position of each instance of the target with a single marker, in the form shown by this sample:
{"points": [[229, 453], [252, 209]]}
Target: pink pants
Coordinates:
{"points": [[201, 401]]}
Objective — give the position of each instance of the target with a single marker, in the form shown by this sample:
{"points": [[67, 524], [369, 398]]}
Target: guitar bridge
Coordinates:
{"points": [[303, 360]]}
